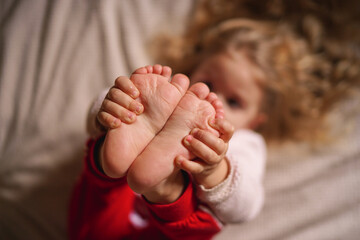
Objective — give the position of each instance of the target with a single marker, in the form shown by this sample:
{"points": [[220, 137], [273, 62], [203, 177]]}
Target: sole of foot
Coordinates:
{"points": [[156, 162], [159, 94]]}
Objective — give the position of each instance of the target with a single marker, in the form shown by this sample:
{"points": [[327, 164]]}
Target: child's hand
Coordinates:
{"points": [[210, 166], [119, 104]]}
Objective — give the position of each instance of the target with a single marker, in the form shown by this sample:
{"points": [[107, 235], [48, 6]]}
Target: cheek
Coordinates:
{"points": [[240, 118]]}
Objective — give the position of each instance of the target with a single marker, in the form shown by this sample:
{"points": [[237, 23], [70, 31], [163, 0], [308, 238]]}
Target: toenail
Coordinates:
{"points": [[219, 115]]}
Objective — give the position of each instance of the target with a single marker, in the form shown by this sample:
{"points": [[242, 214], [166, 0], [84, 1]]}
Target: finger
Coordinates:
{"points": [[107, 120], [188, 165], [117, 111], [200, 150], [225, 128], [127, 86], [210, 140], [118, 96]]}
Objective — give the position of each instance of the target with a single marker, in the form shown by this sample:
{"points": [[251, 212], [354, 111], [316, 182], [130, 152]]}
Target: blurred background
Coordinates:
{"points": [[55, 58]]}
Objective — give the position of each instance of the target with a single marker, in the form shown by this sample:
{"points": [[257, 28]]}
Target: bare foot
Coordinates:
{"points": [[156, 163], [159, 97]]}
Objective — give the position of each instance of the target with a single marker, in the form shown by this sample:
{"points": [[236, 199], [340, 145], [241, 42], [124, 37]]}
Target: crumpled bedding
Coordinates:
{"points": [[56, 56]]}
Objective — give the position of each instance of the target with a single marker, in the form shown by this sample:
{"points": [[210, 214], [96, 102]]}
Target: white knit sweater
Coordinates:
{"points": [[240, 196]]}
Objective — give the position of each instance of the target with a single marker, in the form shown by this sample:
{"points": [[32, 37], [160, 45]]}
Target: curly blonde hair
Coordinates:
{"points": [[306, 67]]}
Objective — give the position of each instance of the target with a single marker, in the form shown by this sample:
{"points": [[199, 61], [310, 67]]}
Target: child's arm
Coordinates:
{"points": [[93, 202], [105, 208], [238, 197], [181, 218], [113, 106]]}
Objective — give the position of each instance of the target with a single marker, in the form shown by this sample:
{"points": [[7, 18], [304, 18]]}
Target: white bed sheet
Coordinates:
{"points": [[55, 58]]}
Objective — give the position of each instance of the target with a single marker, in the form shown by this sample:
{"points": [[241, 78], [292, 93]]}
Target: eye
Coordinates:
{"points": [[234, 103], [210, 86]]}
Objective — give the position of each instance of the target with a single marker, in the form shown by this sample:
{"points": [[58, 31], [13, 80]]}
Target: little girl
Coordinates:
{"points": [[269, 80]]}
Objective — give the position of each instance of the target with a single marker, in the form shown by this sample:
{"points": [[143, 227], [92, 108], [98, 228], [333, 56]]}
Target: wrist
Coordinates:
{"points": [[215, 176]]}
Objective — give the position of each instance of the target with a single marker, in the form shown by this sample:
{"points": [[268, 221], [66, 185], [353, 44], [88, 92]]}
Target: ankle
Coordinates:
{"points": [[169, 190]]}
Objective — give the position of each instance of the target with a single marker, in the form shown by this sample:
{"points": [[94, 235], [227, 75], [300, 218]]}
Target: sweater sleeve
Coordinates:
{"points": [[102, 208], [100, 205], [241, 195], [183, 219]]}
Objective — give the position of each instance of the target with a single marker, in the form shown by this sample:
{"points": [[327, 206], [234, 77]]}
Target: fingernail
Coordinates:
{"points": [[179, 160], [139, 108], [130, 116], [188, 138], [194, 131], [116, 123], [134, 93]]}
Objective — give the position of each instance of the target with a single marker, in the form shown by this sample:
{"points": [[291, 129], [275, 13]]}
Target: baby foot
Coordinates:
{"points": [[156, 163], [159, 97]]}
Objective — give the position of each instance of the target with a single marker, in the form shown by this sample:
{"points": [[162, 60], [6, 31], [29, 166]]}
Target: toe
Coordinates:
{"points": [[149, 69], [220, 112], [166, 71], [162, 70], [200, 90], [141, 70], [144, 70], [157, 69], [213, 99], [181, 82]]}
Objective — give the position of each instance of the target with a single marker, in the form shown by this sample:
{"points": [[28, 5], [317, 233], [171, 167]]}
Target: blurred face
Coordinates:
{"points": [[231, 78]]}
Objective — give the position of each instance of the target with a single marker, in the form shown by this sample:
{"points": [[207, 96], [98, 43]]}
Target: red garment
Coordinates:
{"points": [[101, 207]]}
